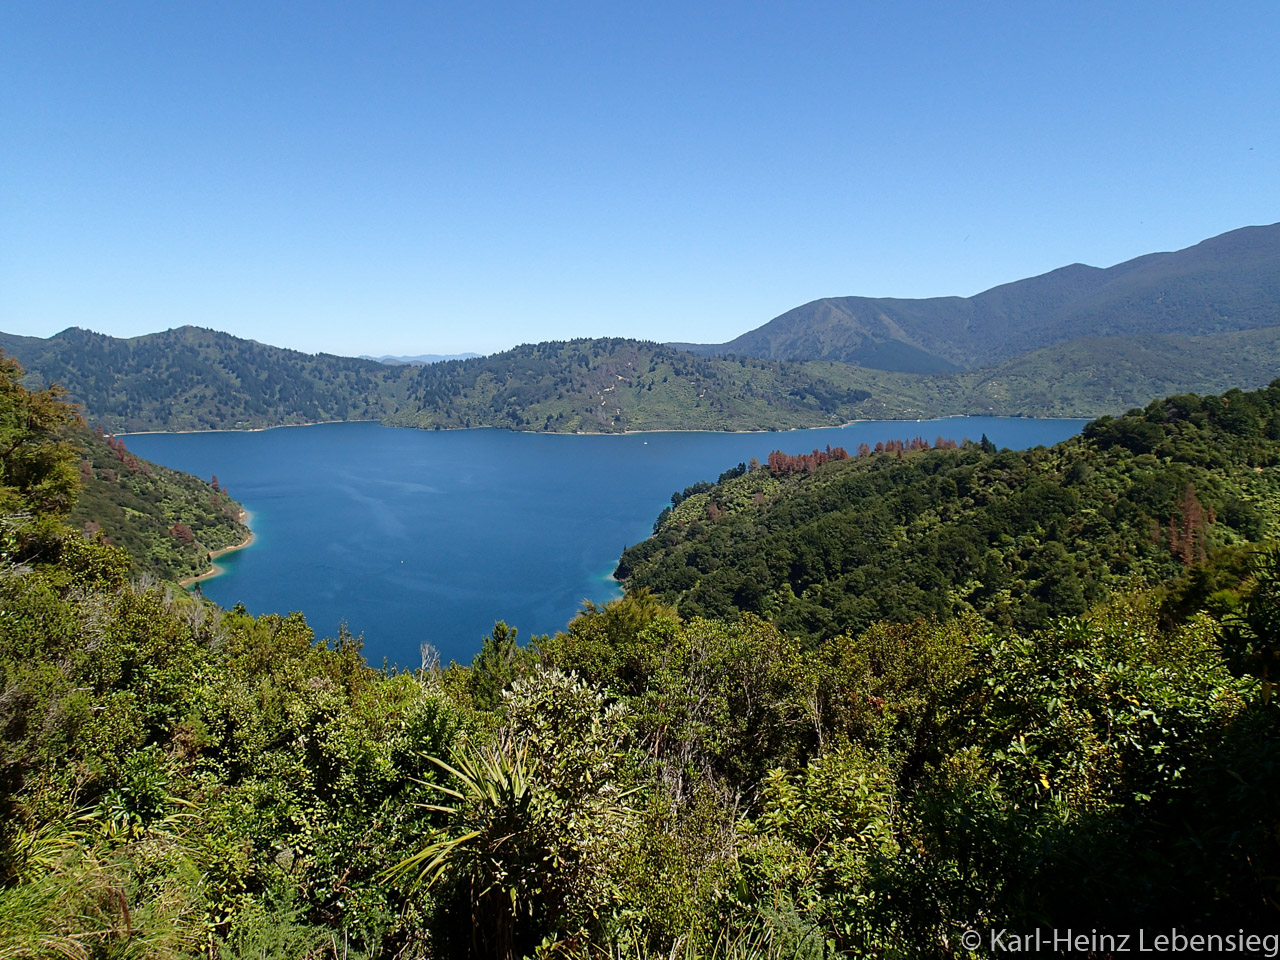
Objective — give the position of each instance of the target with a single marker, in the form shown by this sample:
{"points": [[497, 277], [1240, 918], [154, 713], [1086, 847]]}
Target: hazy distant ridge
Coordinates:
{"points": [[420, 359]]}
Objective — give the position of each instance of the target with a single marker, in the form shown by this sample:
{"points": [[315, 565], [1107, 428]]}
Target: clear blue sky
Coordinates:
{"points": [[437, 177]]}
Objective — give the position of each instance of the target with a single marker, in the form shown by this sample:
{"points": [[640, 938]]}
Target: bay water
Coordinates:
{"points": [[413, 536]]}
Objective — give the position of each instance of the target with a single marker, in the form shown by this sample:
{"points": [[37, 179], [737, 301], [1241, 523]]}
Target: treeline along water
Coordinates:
{"points": [[412, 536]]}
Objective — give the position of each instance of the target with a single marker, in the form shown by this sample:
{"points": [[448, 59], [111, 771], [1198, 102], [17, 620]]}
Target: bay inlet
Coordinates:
{"points": [[412, 536]]}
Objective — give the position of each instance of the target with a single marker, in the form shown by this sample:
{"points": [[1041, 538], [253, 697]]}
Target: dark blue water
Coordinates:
{"points": [[413, 536]]}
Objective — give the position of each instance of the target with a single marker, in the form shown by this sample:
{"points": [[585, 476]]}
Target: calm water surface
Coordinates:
{"points": [[413, 536]]}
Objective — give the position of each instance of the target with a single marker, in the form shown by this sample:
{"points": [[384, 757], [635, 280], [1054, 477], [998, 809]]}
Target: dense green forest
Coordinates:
{"points": [[182, 781], [199, 379], [1014, 537]]}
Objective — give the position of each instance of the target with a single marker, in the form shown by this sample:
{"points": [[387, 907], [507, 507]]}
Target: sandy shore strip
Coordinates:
{"points": [[278, 426], [214, 569]]}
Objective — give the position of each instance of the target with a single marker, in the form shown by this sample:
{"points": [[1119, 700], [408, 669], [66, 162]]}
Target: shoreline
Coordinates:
{"points": [[610, 433], [278, 426], [215, 570], [834, 426]]}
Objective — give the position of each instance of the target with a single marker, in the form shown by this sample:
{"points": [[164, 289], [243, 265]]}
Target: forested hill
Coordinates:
{"points": [[1227, 283], [51, 465], [612, 385], [829, 547], [195, 379]]}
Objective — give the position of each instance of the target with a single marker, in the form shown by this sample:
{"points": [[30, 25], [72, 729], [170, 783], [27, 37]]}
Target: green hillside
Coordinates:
{"points": [[1094, 376], [1224, 284], [168, 521], [55, 471], [1014, 537], [1079, 341], [613, 385], [1087, 377], [191, 379], [195, 379]]}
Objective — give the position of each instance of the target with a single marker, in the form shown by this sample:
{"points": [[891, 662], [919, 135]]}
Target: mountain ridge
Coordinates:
{"points": [[216, 381], [1226, 283], [1077, 341]]}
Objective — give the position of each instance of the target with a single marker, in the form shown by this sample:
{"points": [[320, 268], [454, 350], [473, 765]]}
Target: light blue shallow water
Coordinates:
{"points": [[413, 536]]}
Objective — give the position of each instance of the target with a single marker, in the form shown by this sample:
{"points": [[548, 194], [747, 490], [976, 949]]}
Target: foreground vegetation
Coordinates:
{"points": [[181, 781]]}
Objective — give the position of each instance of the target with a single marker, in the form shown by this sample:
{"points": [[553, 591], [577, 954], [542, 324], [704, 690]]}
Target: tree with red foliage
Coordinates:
{"points": [[781, 464], [1187, 528]]}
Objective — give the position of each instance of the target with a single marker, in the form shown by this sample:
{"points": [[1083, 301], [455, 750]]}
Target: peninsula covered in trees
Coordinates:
{"points": [[1015, 537]]}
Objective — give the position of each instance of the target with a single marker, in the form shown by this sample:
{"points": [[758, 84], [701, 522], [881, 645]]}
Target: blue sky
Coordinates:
{"points": [[423, 177]]}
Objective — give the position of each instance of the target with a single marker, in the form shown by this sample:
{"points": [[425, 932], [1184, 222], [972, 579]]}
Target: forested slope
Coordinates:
{"points": [[1013, 536], [195, 379], [1086, 377], [192, 379], [168, 521], [178, 781], [612, 385]]}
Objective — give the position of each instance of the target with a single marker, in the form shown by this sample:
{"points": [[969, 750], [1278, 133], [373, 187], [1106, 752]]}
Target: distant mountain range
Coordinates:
{"points": [[1079, 341], [196, 379], [421, 360], [1226, 284]]}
